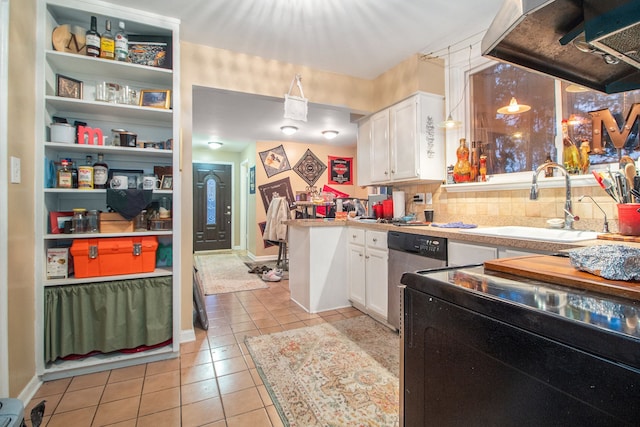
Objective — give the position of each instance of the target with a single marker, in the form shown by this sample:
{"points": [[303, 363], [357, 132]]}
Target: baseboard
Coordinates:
{"points": [[30, 390], [187, 335]]}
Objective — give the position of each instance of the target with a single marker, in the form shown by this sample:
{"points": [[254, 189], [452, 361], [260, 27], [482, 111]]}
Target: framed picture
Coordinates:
{"points": [[252, 180], [162, 170], [152, 51], [68, 87], [340, 170], [280, 188], [133, 177], [57, 221], [156, 98], [167, 182]]}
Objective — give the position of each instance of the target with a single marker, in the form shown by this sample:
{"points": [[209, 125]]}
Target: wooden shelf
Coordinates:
{"points": [[158, 272]]}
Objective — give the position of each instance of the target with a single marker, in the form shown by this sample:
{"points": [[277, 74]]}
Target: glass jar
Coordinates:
{"points": [[79, 221], [140, 221], [93, 221]]}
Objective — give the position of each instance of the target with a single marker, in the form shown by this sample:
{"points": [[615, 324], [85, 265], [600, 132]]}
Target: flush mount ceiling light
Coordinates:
{"points": [[289, 130], [576, 89], [214, 145], [513, 108], [329, 134]]}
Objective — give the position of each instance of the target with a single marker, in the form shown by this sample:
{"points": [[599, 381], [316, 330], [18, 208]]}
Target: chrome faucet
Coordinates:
{"points": [[605, 227], [569, 217]]}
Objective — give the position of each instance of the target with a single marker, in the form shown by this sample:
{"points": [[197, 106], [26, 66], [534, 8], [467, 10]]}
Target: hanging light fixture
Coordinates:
{"points": [[214, 145], [450, 123], [289, 130], [513, 107], [329, 134]]}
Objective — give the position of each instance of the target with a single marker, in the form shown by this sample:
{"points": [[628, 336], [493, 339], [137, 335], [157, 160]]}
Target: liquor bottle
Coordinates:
{"points": [[74, 173], [93, 39], [64, 179], [107, 43], [122, 43], [100, 172]]}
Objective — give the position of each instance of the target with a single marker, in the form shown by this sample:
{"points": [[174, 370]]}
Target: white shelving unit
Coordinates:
{"points": [[151, 124]]}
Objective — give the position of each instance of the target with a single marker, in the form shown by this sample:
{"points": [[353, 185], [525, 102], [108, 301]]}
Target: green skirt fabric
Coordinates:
{"points": [[106, 316]]}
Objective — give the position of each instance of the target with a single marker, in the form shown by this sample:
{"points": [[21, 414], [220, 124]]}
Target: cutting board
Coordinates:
{"points": [[619, 237], [558, 270]]}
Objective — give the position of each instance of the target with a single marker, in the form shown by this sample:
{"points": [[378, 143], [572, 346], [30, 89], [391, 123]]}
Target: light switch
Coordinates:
{"points": [[15, 170]]}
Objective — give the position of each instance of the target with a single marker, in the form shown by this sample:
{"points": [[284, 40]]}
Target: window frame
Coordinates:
{"points": [[461, 61]]}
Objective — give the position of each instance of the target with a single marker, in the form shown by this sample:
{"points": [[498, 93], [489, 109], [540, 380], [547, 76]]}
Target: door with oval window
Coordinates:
{"points": [[211, 206]]}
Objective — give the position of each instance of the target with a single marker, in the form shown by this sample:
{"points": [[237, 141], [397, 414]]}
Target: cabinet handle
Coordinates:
{"points": [[375, 239], [354, 236], [386, 173], [367, 257], [393, 171]]}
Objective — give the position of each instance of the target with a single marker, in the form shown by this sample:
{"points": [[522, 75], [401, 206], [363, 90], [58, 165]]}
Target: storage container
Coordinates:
{"points": [[112, 222], [114, 256], [11, 412], [629, 219]]}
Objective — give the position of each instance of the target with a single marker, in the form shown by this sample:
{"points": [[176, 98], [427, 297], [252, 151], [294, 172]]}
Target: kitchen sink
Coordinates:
{"points": [[533, 233]]}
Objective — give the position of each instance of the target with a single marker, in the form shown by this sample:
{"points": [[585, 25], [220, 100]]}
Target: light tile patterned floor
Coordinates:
{"points": [[213, 383]]}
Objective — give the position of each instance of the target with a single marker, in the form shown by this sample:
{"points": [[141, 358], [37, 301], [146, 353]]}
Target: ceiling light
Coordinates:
{"points": [[329, 134], [289, 130], [575, 89], [513, 108], [214, 145]]}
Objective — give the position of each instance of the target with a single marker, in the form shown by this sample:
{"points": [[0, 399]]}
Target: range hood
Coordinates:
{"points": [[592, 43]]}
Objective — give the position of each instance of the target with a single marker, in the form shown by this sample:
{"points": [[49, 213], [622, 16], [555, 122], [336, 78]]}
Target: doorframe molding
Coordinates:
{"points": [[244, 202], [4, 211]]}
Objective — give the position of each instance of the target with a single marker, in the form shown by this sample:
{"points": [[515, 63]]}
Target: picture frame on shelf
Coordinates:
{"points": [[57, 221], [134, 176], [152, 51], [67, 87], [155, 98], [167, 182]]}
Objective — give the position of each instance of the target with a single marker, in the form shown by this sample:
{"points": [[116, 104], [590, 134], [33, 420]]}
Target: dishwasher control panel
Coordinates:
{"points": [[427, 246]]}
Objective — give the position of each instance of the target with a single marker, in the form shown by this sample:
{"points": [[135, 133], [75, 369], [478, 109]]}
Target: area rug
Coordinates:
{"points": [[333, 374], [224, 273]]}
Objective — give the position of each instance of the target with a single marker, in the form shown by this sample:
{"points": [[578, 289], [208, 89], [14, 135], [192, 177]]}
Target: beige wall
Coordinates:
{"points": [[294, 152], [21, 136]]}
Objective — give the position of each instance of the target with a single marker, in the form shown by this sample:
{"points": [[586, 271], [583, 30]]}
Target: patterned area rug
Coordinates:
{"points": [[338, 374], [223, 273]]}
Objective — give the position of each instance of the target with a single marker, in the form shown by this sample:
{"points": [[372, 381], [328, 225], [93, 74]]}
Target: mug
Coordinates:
{"points": [[428, 215], [119, 182], [150, 182]]}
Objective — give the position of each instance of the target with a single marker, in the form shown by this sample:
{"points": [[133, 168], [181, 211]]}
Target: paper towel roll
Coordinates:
{"points": [[398, 204]]}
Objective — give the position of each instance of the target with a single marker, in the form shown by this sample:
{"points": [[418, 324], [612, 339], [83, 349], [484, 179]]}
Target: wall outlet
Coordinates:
{"points": [[418, 198], [428, 199]]}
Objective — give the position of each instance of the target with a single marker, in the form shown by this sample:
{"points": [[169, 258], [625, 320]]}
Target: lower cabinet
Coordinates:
{"points": [[368, 258], [460, 254]]}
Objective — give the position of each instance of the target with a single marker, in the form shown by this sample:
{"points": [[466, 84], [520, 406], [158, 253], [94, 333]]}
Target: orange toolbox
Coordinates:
{"points": [[114, 255]]}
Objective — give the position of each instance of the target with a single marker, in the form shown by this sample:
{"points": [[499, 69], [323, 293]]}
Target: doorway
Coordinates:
{"points": [[212, 206]]}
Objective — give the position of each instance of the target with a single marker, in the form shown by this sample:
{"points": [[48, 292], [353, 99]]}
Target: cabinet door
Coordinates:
{"points": [[356, 274], [377, 289], [363, 153], [379, 154], [403, 140], [466, 254]]}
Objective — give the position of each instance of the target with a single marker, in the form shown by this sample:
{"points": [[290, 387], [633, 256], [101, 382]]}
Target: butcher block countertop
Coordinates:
{"points": [[454, 234]]}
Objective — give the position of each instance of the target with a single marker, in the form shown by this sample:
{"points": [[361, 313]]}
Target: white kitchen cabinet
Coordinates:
{"points": [[405, 142], [363, 148], [149, 123], [368, 271], [379, 150]]}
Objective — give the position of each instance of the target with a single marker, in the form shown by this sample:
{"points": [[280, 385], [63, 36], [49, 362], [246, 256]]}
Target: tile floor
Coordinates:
{"points": [[213, 383]]}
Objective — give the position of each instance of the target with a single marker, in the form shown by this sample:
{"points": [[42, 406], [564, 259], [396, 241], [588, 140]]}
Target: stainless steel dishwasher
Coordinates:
{"points": [[410, 253]]}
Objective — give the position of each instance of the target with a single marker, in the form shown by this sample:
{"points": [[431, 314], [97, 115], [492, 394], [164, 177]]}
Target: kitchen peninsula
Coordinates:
{"points": [[319, 270]]}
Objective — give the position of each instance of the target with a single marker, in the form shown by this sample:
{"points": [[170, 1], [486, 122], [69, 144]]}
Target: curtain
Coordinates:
{"points": [[107, 316]]}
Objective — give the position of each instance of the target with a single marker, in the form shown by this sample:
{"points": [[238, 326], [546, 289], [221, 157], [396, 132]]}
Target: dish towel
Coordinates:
{"points": [[128, 203], [454, 225]]}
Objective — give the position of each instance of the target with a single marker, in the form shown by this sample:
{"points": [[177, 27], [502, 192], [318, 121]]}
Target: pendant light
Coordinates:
{"points": [[513, 107], [450, 123]]}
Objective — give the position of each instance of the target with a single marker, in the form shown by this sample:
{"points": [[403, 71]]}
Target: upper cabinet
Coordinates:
{"points": [[405, 142]]}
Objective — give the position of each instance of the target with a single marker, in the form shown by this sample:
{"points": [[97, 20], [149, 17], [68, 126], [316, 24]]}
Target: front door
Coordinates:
{"points": [[211, 207]]}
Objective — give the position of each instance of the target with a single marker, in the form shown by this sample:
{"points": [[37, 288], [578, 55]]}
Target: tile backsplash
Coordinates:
{"points": [[512, 207]]}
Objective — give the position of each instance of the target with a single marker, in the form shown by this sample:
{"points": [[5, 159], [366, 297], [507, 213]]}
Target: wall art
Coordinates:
{"points": [[340, 170], [280, 188], [309, 167], [252, 180], [274, 161]]}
